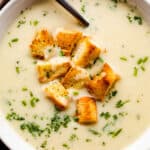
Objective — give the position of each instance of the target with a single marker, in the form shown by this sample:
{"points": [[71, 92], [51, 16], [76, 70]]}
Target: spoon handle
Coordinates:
{"points": [[2, 3], [76, 14]]}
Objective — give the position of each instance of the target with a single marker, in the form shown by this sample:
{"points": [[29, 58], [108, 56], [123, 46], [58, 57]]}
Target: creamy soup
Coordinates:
{"points": [[123, 117]]}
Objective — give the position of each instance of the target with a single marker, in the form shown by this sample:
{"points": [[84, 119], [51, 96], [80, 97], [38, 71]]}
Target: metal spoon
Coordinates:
{"points": [[71, 10], [2, 3]]}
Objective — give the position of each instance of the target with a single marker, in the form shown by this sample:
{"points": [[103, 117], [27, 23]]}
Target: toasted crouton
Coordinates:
{"points": [[42, 42], [86, 110], [67, 40], [85, 53], [58, 94], [48, 72], [76, 77], [102, 83]]}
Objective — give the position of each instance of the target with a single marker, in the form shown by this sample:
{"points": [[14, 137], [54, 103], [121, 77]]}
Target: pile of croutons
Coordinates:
{"points": [[77, 52]]}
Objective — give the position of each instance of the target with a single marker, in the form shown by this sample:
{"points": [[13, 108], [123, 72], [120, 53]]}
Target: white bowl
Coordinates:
{"points": [[7, 134]]}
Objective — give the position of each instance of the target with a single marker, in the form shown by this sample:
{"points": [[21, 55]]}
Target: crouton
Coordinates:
{"points": [[85, 53], [48, 72], [67, 40], [76, 78], [58, 94], [86, 110], [102, 83], [43, 41]]}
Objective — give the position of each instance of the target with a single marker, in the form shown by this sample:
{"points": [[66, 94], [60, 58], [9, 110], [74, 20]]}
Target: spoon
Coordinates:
{"points": [[76, 14], [2, 3]]}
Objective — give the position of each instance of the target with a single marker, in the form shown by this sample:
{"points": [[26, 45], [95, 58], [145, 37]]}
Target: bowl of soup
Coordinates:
{"points": [[68, 87]]}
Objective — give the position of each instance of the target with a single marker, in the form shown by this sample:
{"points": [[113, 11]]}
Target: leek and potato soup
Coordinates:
{"points": [[68, 87]]}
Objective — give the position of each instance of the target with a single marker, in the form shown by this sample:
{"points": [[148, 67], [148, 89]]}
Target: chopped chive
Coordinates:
{"points": [[101, 59], [33, 101], [35, 22], [121, 103], [83, 8], [112, 94], [115, 133], [66, 146], [61, 53], [115, 117], [17, 69], [24, 103], [43, 145], [49, 50], [129, 18], [142, 68], [33, 128], [135, 71], [9, 43], [14, 116], [145, 59], [45, 13], [103, 143], [14, 40], [94, 132], [73, 137], [75, 93], [76, 119], [88, 140], [35, 62], [138, 19], [31, 94], [106, 115], [24, 88], [20, 23], [140, 61], [123, 58]]}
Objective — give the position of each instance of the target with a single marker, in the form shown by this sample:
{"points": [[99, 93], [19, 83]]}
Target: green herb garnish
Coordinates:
{"points": [[57, 122], [83, 8], [130, 19], [105, 115], [35, 22], [43, 145], [24, 89], [123, 58], [121, 103], [20, 23], [33, 128], [75, 93], [14, 40], [66, 146], [73, 137], [94, 132], [61, 53], [88, 140], [24, 103], [138, 19], [115, 133], [17, 69], [112, 94], [115, 117], [45, 13], [142, 60], [14, 116], [135, 71], [33, 101]]}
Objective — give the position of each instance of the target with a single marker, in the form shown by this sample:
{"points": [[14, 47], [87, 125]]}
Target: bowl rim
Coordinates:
{"points": [[8, 136]]}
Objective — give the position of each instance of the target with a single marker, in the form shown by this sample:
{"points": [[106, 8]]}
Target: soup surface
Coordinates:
{"points": [[114, 26]]}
